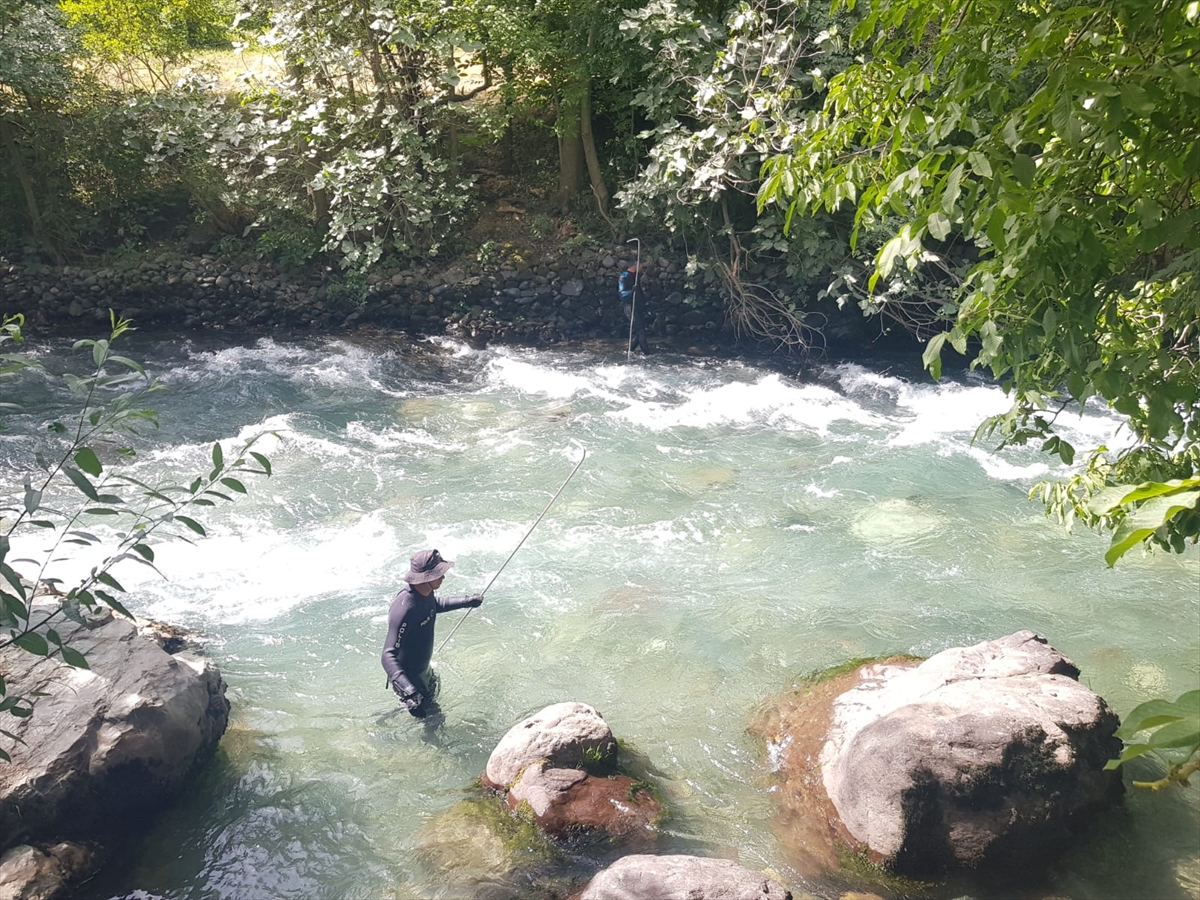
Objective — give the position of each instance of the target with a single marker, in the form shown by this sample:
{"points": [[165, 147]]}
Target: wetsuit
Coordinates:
{"points": [[409, 645], [630, 293]]}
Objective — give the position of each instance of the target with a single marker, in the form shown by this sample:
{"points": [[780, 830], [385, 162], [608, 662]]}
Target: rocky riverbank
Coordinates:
{"points": [[513, 296]]}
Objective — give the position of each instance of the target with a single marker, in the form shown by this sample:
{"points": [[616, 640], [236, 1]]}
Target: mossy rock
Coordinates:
{"points": [[819, 676], [478, 839]]}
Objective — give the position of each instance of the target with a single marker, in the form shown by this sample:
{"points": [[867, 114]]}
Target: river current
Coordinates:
{"points": [[732, 528]]}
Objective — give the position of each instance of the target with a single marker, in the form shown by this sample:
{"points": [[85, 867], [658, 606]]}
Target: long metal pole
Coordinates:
{"points": [[637, 273], [518, 547]]}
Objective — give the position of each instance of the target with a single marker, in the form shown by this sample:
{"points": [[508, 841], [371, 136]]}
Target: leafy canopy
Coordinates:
{"points": [[1056, 146]]}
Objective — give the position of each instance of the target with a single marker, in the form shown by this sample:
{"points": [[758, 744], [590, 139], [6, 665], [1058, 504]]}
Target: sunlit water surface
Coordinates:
{"points": [[731, 529]]}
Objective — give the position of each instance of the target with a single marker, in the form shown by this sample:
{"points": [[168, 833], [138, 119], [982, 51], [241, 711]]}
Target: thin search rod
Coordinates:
{"points": [[515, 549], [637, 273]]}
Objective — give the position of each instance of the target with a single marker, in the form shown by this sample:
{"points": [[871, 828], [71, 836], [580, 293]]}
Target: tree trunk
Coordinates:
{"points": [[320, 196], [599, 188], [570, 155], [33, 209]]}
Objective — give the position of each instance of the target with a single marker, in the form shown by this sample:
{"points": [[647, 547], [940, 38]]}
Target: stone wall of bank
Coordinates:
{"points": [[570, 296]]}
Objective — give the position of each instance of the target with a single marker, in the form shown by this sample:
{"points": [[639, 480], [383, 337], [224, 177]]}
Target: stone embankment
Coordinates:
{"points": [[511, 298]]}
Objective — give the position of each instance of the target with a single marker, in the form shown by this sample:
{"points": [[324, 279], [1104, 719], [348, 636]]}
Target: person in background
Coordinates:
{"points": [[408, 647], [631, 299]]}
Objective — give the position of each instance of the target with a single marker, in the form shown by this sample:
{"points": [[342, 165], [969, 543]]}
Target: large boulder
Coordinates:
{"points": [[558, 771], [681, 878], [567, 735], [980, 757], [114, 741]]}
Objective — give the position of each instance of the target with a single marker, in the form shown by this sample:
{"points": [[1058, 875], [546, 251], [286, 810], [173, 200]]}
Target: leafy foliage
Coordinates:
{"points": [[71, 485], [724, 88], [1058, 148], [1168, 728]]}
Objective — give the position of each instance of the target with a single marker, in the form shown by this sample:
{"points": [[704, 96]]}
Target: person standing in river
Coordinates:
{"points": [[408, 648], [630, 293]]}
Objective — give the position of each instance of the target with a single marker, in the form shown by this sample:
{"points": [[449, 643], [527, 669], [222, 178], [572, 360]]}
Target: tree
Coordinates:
{"points": [[725, 86], [1059, 145], [67, 484], [142, 39]]}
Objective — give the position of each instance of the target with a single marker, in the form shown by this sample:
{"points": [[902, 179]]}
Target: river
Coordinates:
{"points": [[733, 527]]}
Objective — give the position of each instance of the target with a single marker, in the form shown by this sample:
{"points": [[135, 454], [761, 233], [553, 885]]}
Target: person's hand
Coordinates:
{"points": [[475, 600], [413, 701]]}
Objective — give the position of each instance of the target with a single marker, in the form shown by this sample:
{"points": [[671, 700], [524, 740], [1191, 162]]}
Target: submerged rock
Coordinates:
{"points": [[681, 878], [983, 757]]}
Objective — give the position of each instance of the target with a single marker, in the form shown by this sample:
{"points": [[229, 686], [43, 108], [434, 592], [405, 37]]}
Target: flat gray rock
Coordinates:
{"points": [[645, 877]]}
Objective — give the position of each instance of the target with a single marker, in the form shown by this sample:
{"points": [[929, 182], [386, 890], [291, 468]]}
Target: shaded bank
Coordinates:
{"points": [[518, 297]]}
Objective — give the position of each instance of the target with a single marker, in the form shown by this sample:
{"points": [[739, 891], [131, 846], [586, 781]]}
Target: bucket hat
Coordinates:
{"points": [[427, 565]]}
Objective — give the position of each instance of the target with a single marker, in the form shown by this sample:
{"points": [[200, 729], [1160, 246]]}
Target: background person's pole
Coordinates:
{"points": [[637, 273]]}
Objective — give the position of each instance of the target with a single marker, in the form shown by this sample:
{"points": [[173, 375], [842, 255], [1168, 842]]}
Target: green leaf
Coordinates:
{"points": [[980, 164], [12, 578], [939, 225], [116, 604], [192, 524], [87, 460], [80, 481], [1131, 751], [262, 461], [32, 642], [932, 357], [1116, 495], [1146, 520], [74, 658], [106, 578], [33, 500], [99, 352], [218, 458], [128, 363], [234, 485], [1024, 169], [1183, 733], [14, 607], [144, 551], [1154, 713]]}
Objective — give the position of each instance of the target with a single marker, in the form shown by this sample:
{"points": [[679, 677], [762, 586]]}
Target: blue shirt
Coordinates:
{"points": [[626, 283]]}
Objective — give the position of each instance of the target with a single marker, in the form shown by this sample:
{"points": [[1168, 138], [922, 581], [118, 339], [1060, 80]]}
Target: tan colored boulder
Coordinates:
{"points": [[34, 873], [981, 757], [568, 735]]}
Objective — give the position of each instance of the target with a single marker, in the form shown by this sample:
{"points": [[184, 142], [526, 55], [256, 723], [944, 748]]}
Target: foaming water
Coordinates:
{"points": [[731, 529]]}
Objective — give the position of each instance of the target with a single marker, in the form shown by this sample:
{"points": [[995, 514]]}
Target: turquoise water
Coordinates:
{"points": [[731, 528]]}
